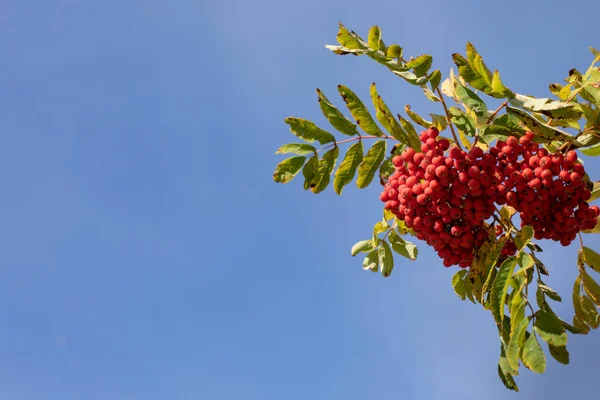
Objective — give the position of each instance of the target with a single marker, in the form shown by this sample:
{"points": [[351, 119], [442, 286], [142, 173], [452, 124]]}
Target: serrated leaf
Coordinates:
{"points": [[468, 73], [507, 380], [434, 79], [523, 237], [394, 51], [385, 117], [335, 116], [459, 285], [361, 247], [307, 130], [591, 287], [462, 121], [386, 259], [347, 169], [500, 287], [417, 119], [579, 318], [482, 69], [403, 247], [347, 39], [549, 292], [471, 100], [379, 227], [370, 164], [592, 258], [430, 95], [590, 313], [411, 133], [591, 151], [296, 148], [517, 341], [439, 121], [326, 166], [544, 133], [371, 261], [549, 328], [286, 170], [548, 107], [517, 310], [498, 88], [374, 38], [310, 171], [559, 353], [360, 113], [533, 356], [421, 64]]}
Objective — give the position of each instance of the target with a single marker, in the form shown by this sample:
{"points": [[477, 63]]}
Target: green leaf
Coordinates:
{"points": [[370, 164], [417, 119], [347, 169], [347, 39], [326, 166], [522, 238], [420, 65], [371, 260], [592, 258], [533, 356], [559, 353], [544, 133], [507, 380], [435, 79], [580, 318], [517, 340], [385, 117], [335, 116], [517, 310], [310, 171], [500, 287], [359, 111], [386, 259], [287, 169], [550, 329], [595, 191], [590, 312], [498, 88], [471, 100], [296, 148], [394, 51], [468, 73], [459, 285], [482, 69], [374, 38], [592, 151], [308, 131], [548, 107], [549, 292], [403, 247], [462, 121], [411, 132], [362, 247], [591, 287]]}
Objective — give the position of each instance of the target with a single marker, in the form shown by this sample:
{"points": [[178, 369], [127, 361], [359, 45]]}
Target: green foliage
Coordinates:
{"points": [[570, 120], [370, 164], [347, 169]]}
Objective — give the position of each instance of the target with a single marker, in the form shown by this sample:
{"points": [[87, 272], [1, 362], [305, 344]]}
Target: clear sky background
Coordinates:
{"points": [[145, 252]]}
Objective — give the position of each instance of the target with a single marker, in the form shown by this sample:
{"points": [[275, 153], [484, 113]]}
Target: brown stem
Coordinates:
{"points": [[496, 111], [441, 96]]}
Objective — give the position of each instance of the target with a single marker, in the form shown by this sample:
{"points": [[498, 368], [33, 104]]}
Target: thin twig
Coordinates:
{"points": [[439, 92], [496, 111], [356, 138]]}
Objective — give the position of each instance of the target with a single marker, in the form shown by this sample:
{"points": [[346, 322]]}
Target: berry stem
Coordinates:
{"points": [[448, 119]]}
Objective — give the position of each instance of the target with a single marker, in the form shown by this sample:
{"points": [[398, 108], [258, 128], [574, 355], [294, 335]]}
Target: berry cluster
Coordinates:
{"points": [[446, 199], [547, 189]]}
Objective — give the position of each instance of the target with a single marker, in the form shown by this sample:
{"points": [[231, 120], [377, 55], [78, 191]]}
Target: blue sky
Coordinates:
{"points": [[145, 251]]}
